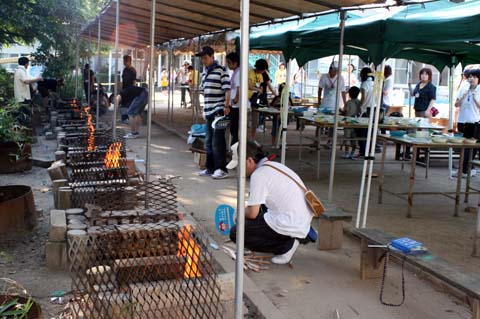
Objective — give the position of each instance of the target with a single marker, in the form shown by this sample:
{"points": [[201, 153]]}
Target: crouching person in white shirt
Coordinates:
{"points": [[277, 218]]}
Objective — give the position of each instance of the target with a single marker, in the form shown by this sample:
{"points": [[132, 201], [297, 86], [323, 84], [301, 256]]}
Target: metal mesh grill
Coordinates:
{"points": [[98, 174], [161, 270], [101, 138], [159, 195]]}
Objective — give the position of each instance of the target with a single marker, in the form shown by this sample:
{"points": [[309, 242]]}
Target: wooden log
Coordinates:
{"points": [[330, 234], [58, 170], [56, 184], [370, 261], [64, 197]]}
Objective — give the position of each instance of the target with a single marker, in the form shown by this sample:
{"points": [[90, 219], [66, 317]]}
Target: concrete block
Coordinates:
{"points": [[226, 282], [56, 254], [58, 225], [74, 211]]}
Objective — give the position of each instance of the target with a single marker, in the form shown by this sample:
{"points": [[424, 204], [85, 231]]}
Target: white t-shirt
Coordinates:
{"points": [[329, 86], [20, 88], [235, 79], [388, 86], [287, 213], [368, 100], [469, 112]]}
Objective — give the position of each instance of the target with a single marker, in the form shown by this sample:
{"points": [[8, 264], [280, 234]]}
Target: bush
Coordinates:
{"points": [[6, 86]]}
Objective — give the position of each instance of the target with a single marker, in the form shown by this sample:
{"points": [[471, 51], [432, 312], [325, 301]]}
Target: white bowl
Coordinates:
{"points": [[424, 134], [470, 141]]}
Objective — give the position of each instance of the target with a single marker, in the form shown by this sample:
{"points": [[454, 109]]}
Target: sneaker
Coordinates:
{"points": [[285, 258], [219, 174], [346, 155], [356, 157], [130, 136], [260, 128], [205, 172], [473, 172], [454, 173]]}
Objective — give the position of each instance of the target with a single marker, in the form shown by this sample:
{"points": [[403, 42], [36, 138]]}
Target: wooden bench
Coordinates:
{"points": [[371, 266], [330, 228]]}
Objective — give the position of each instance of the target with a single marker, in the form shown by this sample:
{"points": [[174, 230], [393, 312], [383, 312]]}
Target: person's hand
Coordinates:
{"points": [[39, 79], [226, 110]]}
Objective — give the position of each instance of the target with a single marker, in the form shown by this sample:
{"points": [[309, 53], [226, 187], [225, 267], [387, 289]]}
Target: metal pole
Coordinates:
{"points": [[98, 72], [115, 90], [338, 98], [168, 83], [409, 65], [89, 81], [77, 60], [151, 88], [373, 133], [286, 99], [244, 40], [172, 81], [450, 117], [109, 70]]}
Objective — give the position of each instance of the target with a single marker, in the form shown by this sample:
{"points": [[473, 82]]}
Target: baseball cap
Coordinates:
{"points": [[206, 51], [186, 62], [334, 65], [234, 162]]}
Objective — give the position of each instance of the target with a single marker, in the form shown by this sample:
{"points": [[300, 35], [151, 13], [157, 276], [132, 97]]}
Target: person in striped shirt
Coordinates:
{"points": [[216, 90]]}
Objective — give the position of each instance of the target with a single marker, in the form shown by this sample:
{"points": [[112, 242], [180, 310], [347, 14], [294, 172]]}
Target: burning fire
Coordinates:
{"points": [[91, 130], [189, 248], [112, 158]]}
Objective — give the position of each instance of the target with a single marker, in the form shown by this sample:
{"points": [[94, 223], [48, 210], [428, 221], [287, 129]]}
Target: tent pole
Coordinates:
{"points": [[115, 89], [98, 72], [89, 68], [409, 65], [244, 40], [109, 70], [373, 133], [172, 81], [151, 92], [168, 83], [338, 98], [77, 60], [450, 117], [286, 94]]}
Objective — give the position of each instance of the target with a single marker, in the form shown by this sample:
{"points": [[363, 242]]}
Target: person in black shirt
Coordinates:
{"points": [[134, 98], [425, 94], [129, 78], [129, 74], [88, 81]]}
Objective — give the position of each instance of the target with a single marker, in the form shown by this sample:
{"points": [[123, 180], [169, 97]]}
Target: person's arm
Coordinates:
{"points": [[433, 97], [362, 99], [270, 87], [344, 97], [27, 80], [460, 100], [476, 99], [251, 212], [237, 95]]}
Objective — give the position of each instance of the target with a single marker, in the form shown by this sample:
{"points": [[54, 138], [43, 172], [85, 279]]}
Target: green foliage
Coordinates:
{"points": [[56, 25], [14, 309], [10, 128], [6, 86]]}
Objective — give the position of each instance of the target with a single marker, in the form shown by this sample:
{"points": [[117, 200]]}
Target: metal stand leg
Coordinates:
{"points": [[318, 156], [459, 182], [412, 181], [427, 161], [382, 172], [469, 172], [300, 148]]}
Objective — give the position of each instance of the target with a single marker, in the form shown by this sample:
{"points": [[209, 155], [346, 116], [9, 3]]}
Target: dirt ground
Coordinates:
{"points": [[23, 255]]}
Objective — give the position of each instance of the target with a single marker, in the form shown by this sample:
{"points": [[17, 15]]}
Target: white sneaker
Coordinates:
{"points": [[454, 173], [346, 155], [473, 172], [260, 128], [285, 258], [205, 172], [219, 174], [130, 136]]}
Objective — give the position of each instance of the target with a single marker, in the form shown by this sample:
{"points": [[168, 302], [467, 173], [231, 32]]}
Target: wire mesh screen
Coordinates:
{"points": [[160, 270], [159, 195], [100, 138]]}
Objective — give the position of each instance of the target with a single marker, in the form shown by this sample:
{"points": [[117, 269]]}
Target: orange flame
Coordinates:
{"points": [[91, 130], [189, 248], [112, 158]]}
